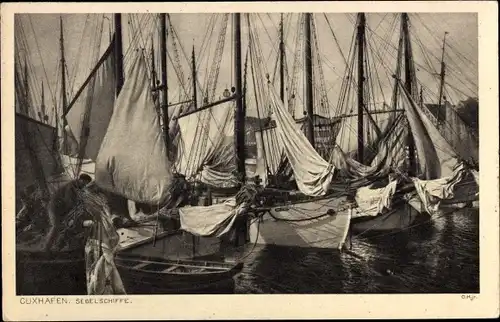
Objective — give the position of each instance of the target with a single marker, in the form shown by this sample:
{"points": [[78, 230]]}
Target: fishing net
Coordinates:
{"points": [[32, 220], [102, 275]]}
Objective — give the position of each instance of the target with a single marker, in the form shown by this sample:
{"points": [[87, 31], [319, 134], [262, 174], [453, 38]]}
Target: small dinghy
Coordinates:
{"points": [[154, 275]]}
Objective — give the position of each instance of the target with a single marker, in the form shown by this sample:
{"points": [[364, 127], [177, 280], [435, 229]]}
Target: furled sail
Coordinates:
{"points": [[219, 170], [271, 158], [132, 160], [436, 157], [356, 170], [373, 201], [90, 111], [206, 145], [214, 220], [269, 153], [395, 140], [312, 173], [433, 192], [347, 138]]}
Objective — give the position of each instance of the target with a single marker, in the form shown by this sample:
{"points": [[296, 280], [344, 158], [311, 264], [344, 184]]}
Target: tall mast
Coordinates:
{"points": [[421, 96], [409, 75], [239, 120], [309, 85], [118, 53], [442, 74], [43, 116], [153, 65], [164, 87], [193, 76], [361, 79], [282, 62], [26, 86], [63, 85], [398, 75]]}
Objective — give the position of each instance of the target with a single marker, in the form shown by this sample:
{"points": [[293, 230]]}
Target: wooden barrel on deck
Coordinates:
{"points": [[55, 273]]}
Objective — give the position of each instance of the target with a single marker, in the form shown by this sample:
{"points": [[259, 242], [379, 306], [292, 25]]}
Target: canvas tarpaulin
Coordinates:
{"points": [[90, 114], [211, 220], [132, 161], [372, 201], [433, 192]]}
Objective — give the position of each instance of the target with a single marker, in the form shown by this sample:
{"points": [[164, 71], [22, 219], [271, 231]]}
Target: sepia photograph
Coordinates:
{"points": [[255, 152]]}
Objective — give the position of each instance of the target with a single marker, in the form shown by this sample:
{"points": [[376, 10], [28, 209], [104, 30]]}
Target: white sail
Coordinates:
{"points": [[89, 116], [206, 145], [436, 157], [347, 138], [132, 161], [269, 153], [312, 173], [395, 140]]}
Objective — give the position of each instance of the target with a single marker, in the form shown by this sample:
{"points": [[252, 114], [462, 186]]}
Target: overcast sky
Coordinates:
{"points": [[83, 33]]}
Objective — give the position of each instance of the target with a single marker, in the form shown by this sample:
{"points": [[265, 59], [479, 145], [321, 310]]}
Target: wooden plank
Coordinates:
{"points": [[171, 268], [141, 265], [130, 244], [192, 266]]}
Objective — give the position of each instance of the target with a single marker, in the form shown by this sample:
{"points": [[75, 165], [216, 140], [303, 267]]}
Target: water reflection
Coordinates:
{"points": [[441, 256]]}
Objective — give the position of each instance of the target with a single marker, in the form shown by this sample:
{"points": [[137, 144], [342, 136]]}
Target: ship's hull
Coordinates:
{"points": [[401, 218], [61, 273], [303, 224], [331, 231]]}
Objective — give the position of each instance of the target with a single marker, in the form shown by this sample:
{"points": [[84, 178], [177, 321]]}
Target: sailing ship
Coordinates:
{"points": [[325, 222], [39, 171], [147, 153], [101, 121]]}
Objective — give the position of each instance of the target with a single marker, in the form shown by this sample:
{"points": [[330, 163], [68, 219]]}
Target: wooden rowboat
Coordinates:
{"points": [[155, 275]]}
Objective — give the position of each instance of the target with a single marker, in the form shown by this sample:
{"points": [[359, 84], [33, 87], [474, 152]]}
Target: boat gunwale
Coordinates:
{"points": [[210, 273], [228, 270], [177, 261]]}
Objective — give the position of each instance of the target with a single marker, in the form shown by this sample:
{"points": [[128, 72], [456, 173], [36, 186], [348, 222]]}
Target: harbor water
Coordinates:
{"points": [[441, 256]]}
